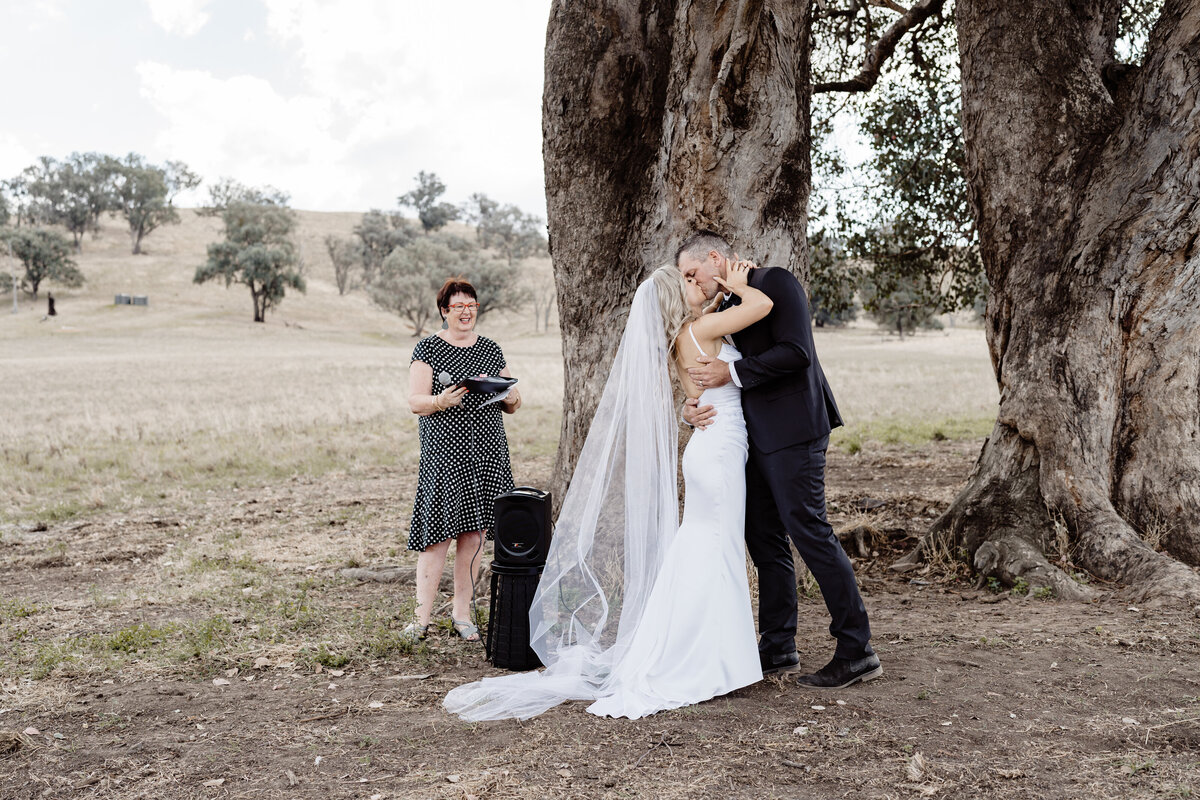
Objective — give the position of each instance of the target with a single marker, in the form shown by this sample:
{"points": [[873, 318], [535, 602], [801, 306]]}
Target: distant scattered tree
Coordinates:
{"points": [[832, 280], [904, 306], [542, 295], [74, 193], [347, 258], [227, 191], [35, 181], [380, 233], [5, 205], [497, 282], [17, 190], [506, 229], [258, 252], [46, 256], [409, 278], [144, 193], [424, 199]]}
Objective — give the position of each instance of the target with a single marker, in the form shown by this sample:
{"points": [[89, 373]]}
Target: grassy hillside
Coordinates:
{"points": [[164, 273], [112, 405]]}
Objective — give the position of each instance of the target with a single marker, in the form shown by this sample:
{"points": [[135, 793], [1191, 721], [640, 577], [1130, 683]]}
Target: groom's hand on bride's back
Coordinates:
{"points": [[696, 415]]}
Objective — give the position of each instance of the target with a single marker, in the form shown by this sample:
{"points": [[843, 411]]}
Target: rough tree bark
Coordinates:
{"points": [[658, 117], [1086, 182]]}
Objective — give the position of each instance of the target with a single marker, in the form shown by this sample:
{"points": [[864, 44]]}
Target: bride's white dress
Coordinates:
{"points": [[696, 639]]}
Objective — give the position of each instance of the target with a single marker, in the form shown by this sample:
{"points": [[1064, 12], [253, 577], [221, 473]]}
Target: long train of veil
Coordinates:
{"points": [[618, 518]]}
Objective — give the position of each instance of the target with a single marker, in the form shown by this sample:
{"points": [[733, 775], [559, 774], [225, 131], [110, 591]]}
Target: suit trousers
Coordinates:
{"points": [[785, 496]]}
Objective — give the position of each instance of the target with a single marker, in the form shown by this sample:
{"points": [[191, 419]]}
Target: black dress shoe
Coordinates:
{"points": [[842, 672], [778, 662]]}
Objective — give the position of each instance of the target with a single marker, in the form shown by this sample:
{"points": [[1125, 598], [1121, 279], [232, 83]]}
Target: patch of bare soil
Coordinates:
{"points": [[984, 695]]}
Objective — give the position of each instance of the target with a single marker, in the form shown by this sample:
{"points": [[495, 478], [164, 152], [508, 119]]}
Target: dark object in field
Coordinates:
{"points": [[50, 312]]}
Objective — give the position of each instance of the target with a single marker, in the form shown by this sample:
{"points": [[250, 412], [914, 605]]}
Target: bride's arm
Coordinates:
{"points": [[754, 306]]}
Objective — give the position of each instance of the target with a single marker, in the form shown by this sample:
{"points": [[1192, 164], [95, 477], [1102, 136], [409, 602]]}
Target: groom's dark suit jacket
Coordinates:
{"points": [[785, 396]]}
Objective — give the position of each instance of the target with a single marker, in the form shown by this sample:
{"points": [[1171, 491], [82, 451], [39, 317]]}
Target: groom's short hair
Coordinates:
{"points": [[701, 242]]}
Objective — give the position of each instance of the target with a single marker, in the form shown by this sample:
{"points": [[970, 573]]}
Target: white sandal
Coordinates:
{"points": [[414, 632]]}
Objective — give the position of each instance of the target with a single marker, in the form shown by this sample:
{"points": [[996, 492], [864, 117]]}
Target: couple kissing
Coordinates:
{"points": [[638, 611]]}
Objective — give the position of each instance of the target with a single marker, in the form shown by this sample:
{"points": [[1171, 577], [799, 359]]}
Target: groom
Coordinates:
{"points": [[789, 412]]}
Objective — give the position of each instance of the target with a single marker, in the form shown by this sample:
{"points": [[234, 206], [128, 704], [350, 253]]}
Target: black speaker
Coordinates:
{"points": [[508, 617], [522, 535]]}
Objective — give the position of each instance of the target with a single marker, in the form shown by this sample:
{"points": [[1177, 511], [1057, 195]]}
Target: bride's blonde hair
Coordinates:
{"points": [[671, 289]]}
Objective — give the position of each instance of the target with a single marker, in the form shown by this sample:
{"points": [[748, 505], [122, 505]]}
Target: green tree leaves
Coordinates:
{"points": [[258, 250], [424, 199], [144, 193], [409, 278], [46, 257]]}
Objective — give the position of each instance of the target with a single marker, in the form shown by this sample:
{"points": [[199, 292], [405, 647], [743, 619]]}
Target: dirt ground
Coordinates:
{"points": [[986, 694]]}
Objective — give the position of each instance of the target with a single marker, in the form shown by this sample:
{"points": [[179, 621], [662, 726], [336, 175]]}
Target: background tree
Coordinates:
{"points": [[144, 193], [424, 199], [905, 212], [498, 283], [833, 281], [514, 236], [505, 229], [74, 193], [258, 252], [409, 279], [346, 255], [17, 190], [5, 205], [45, 256], [903, 307], [228, 191], [379, 234], [660, 116], [541, 296]]}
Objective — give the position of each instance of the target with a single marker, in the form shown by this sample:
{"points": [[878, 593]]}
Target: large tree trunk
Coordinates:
{"points": [[1087, 197], [660, 117]]}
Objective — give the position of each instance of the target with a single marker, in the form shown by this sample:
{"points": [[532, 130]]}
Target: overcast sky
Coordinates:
{"points": [[338, 102]]}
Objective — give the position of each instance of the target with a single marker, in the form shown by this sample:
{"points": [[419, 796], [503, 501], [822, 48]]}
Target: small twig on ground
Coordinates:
{"points": [[1173, 722], [662, 742], [374, 780], [344, 712]]}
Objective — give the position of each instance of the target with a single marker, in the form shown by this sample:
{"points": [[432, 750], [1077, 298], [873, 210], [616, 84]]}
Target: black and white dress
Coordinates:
{"points": [[464, 452]]}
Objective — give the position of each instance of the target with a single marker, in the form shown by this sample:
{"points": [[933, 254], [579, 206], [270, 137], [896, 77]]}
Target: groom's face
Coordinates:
{"points": [[703, 270]]}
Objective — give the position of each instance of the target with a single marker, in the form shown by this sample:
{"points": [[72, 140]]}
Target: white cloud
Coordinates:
{"points": [[243, 128], [420, 87], [14, 155], [179, 17], [49, 8]]}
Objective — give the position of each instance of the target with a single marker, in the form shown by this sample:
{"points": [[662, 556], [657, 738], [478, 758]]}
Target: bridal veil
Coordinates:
{"points": [[617, 520]]}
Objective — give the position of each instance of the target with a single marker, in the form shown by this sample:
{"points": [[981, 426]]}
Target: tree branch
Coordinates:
{"points": [[883, 49]]}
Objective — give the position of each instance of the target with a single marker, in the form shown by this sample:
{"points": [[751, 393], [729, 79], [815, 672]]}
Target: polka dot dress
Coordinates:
{"points": [[464, 452]]}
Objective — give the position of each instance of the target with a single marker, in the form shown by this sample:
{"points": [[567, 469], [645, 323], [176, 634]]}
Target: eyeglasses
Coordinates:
{"points": [[458, 308]]}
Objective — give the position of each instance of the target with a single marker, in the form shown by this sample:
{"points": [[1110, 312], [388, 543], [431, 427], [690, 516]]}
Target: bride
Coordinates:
{"points": [[635, 611]]}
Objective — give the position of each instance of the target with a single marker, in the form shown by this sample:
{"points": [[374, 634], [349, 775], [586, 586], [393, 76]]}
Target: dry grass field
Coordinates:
{"points": [[181, 490]]}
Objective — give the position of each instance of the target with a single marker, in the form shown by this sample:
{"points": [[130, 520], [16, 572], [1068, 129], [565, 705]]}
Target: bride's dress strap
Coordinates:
{"points": [[693, 335]]}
